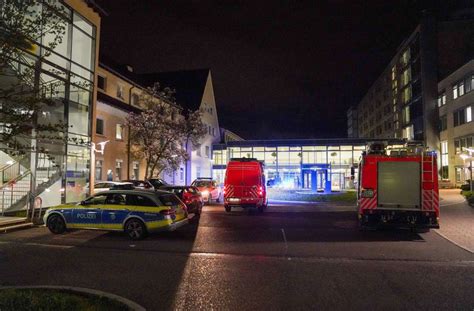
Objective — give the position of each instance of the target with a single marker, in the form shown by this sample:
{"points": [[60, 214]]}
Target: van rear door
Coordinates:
{"points": [[233, 180]]}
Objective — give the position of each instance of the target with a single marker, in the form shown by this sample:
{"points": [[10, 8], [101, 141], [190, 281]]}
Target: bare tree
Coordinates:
{"points": [[160, 133]]}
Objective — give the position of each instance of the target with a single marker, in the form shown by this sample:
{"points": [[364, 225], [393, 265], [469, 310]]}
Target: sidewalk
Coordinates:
{"points": [[456, 219]]}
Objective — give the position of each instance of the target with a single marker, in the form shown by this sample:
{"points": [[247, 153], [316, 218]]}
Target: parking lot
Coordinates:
{"points": [[292, 256]]}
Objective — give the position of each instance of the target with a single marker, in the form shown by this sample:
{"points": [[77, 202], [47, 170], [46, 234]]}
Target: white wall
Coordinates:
{"points": [[201, 166]]}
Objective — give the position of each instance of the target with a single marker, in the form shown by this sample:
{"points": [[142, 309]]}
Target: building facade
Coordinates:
{"points": [[455, 105], [317, 164], [402, 101], [352, 120], [117, 97], [55, 171]]}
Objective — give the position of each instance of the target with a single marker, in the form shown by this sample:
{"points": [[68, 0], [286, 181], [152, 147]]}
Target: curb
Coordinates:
{"points": [[130, 304], [455, 243], [309, 203]]}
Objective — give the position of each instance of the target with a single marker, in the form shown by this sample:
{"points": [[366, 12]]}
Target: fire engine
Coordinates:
{"points": [[398, 187]]}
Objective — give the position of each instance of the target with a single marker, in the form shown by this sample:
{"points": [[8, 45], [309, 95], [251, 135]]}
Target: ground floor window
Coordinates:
{"points": [[458, 174], [118, 169], [136, 170], [98, 170]]}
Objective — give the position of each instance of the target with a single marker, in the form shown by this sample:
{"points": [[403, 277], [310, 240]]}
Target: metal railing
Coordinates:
{"points": [[9, 172], [14, 191]]}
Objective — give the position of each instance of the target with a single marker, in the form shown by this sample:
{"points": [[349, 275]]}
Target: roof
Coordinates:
{"points": [[109, 100], [117, 68], [189, 85], [306, 142]]}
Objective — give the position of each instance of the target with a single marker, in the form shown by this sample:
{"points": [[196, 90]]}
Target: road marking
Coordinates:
{"points": [[284, 239]]}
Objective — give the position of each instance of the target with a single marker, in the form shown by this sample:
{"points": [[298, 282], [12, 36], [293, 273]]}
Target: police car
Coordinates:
{"points": [[137, 212]]}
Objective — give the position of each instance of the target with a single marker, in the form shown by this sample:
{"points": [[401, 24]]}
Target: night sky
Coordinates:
{"points": [[281, 69]]}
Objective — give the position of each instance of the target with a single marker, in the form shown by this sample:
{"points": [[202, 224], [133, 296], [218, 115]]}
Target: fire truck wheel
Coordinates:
{"points": [[261, 208], [227, 208]]}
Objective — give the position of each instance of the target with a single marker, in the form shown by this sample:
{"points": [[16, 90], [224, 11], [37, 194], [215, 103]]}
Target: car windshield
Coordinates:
{"points": [[202, 183]]}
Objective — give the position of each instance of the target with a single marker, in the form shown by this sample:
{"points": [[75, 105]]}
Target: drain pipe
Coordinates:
{"points": [[128, 136]]}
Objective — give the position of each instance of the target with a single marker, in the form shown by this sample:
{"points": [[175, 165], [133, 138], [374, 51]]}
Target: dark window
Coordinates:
{"points": [[98, 199], [139, 200], [444, 172], [135, 99], [457, 146], [443, 123], [459, 117], [101, 82], [116, 199], [99, 126]]}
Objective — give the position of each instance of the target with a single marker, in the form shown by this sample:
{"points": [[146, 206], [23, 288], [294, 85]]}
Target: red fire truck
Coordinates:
{"points": [[398, 187]]}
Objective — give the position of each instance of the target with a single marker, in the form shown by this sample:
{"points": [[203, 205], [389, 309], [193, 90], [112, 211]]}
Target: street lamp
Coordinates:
{"points": [[465, 157]]}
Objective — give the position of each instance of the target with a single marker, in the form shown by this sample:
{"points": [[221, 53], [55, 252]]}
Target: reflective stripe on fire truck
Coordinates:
{"points": [[430, 200], [368, 203]]}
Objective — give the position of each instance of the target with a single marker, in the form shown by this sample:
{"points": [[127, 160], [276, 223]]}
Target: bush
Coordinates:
{"points": [[54, 299]]}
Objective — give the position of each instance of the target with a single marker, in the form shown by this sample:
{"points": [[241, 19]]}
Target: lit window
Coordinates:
{"points": [[406, 77], [406, 95], [118, 131], [468, 114], [120, 91], [455, 91], [461, 88], [442, 99], [408, 132], [406, 57], [406, 114]]}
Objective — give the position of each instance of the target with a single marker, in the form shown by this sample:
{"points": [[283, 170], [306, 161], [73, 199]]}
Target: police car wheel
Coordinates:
{"points": [[56, 224], [135, 229]]}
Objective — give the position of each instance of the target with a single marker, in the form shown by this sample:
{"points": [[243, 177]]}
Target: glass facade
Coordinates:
{"points": [[322, 167], [60, 160]]}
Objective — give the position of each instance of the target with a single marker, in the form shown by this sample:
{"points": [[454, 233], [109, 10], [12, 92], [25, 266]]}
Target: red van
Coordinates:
{"points": [[244, 184]]}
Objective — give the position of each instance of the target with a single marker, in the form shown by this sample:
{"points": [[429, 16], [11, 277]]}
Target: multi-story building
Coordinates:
{"points": [[317, 164], [117, 96], [352, 123], [401, 103], [456, 104], [194, 91], [55, 171]]}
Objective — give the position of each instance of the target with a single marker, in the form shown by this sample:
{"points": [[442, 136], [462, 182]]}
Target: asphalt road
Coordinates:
{"points": [[314, 258]]}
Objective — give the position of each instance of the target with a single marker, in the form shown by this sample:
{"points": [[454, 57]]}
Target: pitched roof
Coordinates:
{"points": [[189, 85]]}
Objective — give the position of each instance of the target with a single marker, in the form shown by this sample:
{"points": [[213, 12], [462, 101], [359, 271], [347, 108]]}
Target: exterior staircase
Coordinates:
{"points": [[15, 189], [8, 224]]}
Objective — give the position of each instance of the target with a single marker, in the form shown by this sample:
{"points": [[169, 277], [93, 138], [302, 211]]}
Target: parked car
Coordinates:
{"points": [[244, 185], [136, 212], [107, 185], [209, 189], [140, 184], [466, 186], [158, 182], [189, 195]]}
